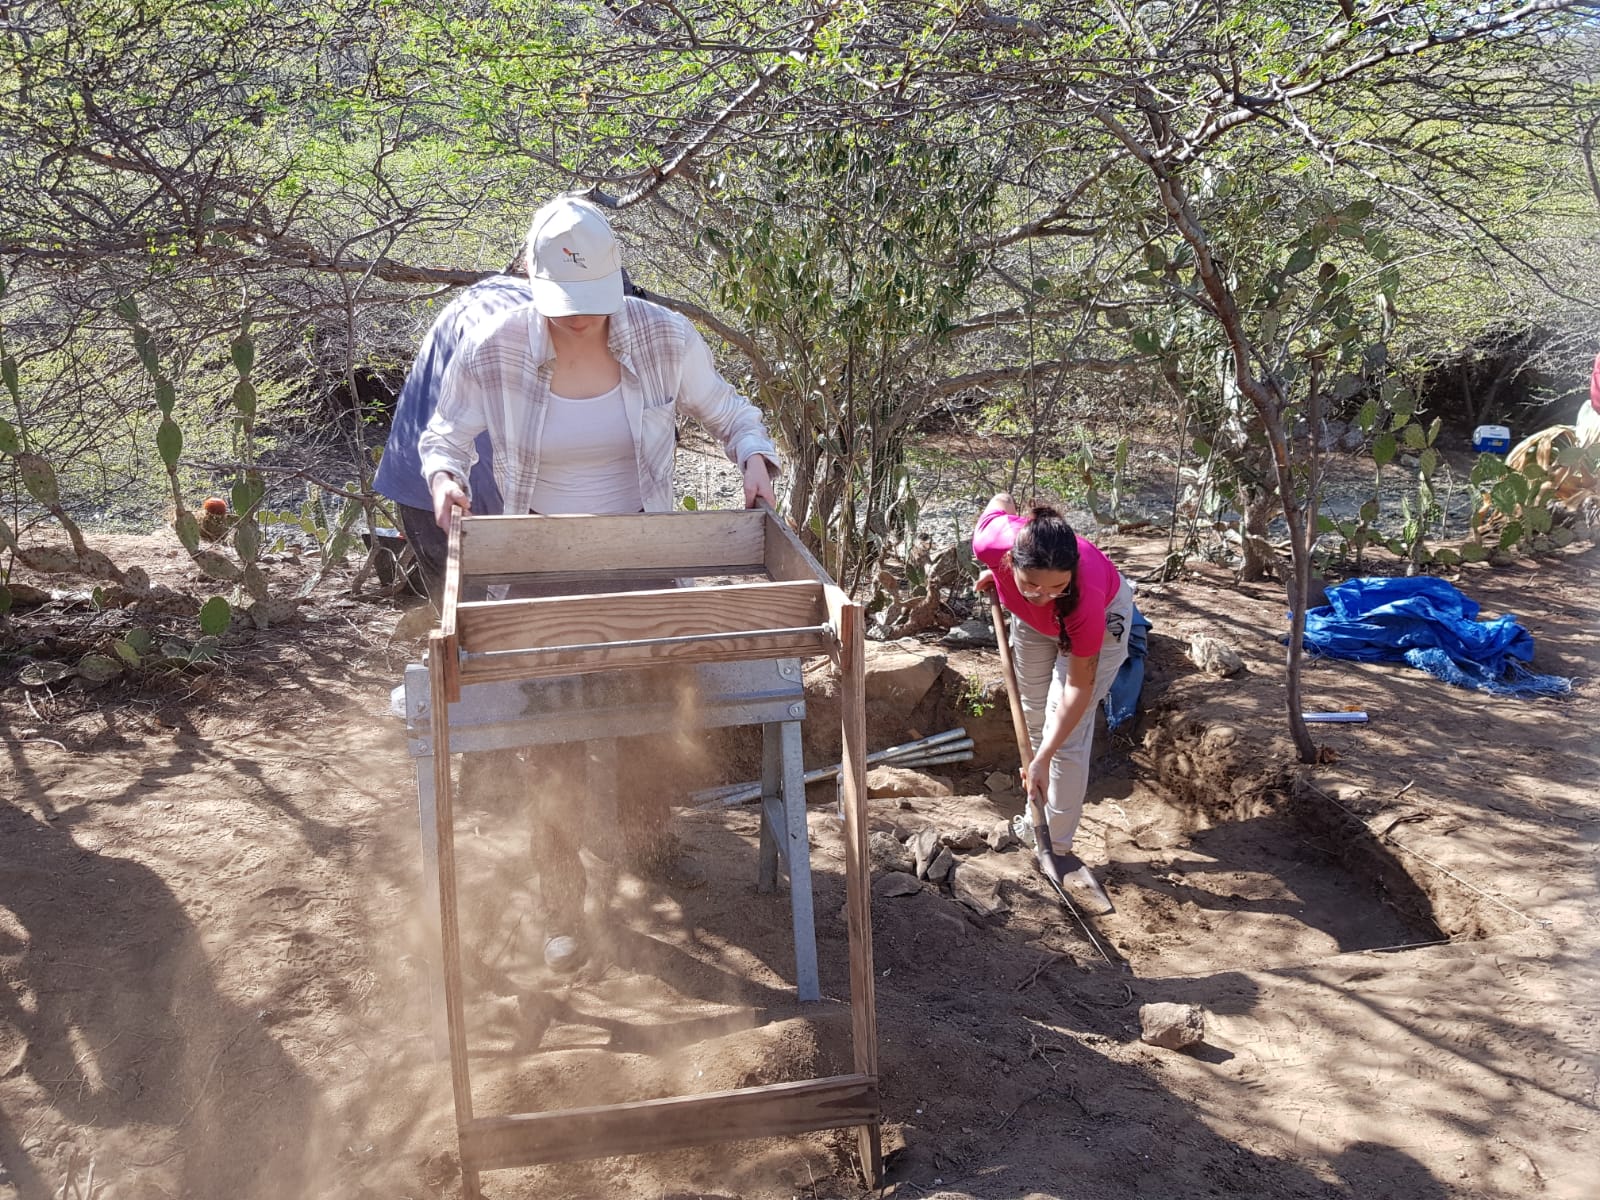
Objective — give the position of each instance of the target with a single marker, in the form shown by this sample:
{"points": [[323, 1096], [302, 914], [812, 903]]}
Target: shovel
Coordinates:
{"points": [[1058, 868]]}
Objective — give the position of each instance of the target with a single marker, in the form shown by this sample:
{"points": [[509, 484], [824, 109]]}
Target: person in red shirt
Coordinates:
{"points": [[1071, 611], [1588, 421]]}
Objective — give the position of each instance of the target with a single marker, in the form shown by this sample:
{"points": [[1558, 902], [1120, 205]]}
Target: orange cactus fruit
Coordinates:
{"points": [[216, 506]]}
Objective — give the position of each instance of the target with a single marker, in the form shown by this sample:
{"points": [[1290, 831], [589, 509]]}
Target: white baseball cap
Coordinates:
{"points": [[573, 261]]}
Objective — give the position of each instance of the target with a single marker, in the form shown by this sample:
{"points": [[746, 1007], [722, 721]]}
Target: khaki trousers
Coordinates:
{"points": [[1041, 676]]}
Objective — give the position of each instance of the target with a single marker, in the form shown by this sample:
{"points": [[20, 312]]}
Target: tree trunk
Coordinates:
{"points": [[1259, 560]]}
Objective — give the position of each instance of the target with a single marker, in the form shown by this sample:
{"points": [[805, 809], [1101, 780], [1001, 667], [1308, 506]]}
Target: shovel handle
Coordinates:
{"points": [[1019, 723]]}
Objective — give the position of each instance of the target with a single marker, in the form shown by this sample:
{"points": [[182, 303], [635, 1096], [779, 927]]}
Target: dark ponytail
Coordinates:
{"points": [[1048, 543]]}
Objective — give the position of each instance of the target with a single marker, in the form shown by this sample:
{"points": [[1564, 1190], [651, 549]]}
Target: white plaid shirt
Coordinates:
{"points": [[499, 380]]}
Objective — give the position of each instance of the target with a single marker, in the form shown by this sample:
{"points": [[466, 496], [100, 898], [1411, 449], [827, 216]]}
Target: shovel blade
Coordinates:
{"points": [[1084, 878]]}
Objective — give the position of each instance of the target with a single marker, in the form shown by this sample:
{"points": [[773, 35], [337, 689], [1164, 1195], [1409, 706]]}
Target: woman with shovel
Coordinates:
{"points": [[1071, 611]]}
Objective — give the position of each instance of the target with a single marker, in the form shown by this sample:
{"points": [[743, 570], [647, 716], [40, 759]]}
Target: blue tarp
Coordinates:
{"points": [[1429, 624]]}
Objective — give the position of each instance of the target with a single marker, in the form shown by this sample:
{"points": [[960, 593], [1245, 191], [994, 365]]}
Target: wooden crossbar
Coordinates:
{"points": [[649, 1126], [573, 635], [685, 543]]}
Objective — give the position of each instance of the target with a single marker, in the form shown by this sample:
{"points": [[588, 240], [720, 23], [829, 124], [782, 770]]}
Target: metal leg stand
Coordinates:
{"points": [[797, 858]]}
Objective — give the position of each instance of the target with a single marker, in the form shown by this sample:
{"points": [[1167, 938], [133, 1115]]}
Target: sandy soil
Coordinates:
{"points": [[217, 961]]}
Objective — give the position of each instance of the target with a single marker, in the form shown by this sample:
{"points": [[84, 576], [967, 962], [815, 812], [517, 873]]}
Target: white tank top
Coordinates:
{"points": [[586, 458]]}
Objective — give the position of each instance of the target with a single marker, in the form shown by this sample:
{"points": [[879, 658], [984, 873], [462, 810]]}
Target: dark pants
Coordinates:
{"points": [[429, 546]]}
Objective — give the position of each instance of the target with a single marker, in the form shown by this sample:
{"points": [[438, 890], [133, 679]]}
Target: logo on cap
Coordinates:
{"points": [[573, 257]]}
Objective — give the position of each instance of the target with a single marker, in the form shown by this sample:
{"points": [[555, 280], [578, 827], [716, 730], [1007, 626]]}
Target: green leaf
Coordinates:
{"points": [[187, 529], [246, 494], [145, 348], [126, 653], [247, 539], [1384, 449], [166, 396], [1510, 535], [8, 373], [39, 477], [1326, 524], [1369, 511], [1447, 557], [1300, 260], [1368, 416], [1538, 519], [1413, 437], [691, 504], [1428, 462], [243, 353], [1487, 469], [216, 565], [8, 437], [128, 309], [1474, 552], [244, 398], [98, 668], [215, 616], [140, 639], [169, 442], [1562, 535]]}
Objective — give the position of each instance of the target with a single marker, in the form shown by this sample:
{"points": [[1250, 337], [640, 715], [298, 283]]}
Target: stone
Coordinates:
{"points": [[982, 896], [1219, 735], [964, 840], [885, 782], [1214, 655], [970, 635], [939, 869], [1352, 440], [924, 846], [901, 675], [886, 853], [896, 883], [999, 836], [997, 782], [1171, 1026]]}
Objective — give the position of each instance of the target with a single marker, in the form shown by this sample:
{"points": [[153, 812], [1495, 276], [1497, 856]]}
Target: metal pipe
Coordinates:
{"points": [[732, 794], [953, 739], [950, 739], [640, 643]]}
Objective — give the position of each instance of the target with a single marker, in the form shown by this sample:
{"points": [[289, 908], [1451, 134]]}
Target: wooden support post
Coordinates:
{"points": [[444, 660], [449, 924], [858, 877]]}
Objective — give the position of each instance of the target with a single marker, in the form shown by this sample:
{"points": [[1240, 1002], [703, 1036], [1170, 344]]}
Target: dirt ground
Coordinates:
{"points": [[218, 972]]}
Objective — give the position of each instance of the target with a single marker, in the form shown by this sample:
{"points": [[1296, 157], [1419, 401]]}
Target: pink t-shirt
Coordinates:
{"points": [[1097, 579]]}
